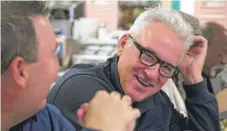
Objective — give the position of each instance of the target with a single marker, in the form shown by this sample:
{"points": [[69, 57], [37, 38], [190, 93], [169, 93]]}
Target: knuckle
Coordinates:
{"points": [[101, 93], [115, 95], [136, 112], [127, 99]]}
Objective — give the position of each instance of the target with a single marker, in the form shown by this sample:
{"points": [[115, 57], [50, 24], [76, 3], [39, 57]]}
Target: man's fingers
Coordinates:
{"points": [[118, 109], [80, 115], [199, 47], [84, 106], [127, 99], [136, 112], [116, 95], [101, 93], [200, 41], [186, 61]]}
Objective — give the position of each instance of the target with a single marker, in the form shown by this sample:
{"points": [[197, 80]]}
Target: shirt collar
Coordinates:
{"points": [[115, 80], [144, 105], [25, 123]]}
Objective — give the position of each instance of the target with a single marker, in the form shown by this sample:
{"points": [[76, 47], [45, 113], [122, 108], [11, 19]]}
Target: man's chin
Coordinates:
{"points": [[137, 98], [43, 104]]}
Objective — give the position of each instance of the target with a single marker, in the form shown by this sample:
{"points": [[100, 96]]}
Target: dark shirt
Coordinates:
{"points": [[48, 119], [79, 85]]}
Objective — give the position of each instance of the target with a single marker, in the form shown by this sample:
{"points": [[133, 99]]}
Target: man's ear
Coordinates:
{"points": [[18, 70], [121, 44]]}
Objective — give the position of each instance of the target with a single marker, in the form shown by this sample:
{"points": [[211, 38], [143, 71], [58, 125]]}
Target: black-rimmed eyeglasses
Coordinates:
{"points": [[148, 58]]}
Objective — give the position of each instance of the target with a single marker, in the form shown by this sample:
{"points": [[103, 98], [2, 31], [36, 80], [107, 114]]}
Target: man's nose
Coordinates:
{"points": [[152, 72]]}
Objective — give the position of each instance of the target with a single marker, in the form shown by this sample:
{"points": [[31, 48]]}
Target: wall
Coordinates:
{"points": [[105, 11], [215, 11]]}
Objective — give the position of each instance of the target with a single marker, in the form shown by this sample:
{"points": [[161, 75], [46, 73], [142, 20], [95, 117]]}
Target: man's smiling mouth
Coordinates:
{"points": [[142, 82]]}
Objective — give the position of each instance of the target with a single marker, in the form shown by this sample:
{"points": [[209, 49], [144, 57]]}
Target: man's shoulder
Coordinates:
{"points": [[51, 118], [48, 119], [79, 82], [83, 71], [51, 111], [86, 69], [77, 75], [162, 98]]}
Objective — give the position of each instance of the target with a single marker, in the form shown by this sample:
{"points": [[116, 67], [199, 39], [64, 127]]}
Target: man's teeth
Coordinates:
{"points": [[146, 84]]}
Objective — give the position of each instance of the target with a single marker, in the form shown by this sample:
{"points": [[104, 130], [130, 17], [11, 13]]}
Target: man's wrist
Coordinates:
{"points": [[193, 80]]}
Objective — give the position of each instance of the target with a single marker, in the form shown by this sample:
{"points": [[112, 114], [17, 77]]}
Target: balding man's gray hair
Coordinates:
{"points": [[169, 17]]}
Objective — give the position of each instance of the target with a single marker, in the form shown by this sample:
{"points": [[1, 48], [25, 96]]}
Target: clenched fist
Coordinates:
{"points": [[108, 112]]}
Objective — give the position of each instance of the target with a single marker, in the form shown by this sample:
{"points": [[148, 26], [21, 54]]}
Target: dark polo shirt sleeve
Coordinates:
{"points": [[72, 91], [202, 110]]}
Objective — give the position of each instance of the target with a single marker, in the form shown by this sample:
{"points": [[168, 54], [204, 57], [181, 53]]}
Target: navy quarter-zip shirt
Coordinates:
{"points": [[47, 119], [79, 85]]}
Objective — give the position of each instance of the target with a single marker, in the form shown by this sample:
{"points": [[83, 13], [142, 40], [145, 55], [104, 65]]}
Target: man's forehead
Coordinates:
{"points": [[44, 32], [40, 20], [158, 30]]}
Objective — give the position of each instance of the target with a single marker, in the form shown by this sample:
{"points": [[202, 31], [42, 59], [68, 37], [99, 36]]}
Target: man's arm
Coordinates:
{"points": [[202, 110], [201, 105], [72, 93], [105, 111]]}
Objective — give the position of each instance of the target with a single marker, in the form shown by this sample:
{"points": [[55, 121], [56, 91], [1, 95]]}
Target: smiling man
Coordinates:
{"points": [[29, 66], [157, 46]]}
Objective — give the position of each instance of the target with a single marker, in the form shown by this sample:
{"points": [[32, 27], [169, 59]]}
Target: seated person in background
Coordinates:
{"points": [[28, 68], [158, 44], [215, 68], [216, 60]]}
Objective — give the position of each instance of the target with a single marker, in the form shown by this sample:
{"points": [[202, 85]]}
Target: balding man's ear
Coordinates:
{"points": [[121, 44], [18, 70]]}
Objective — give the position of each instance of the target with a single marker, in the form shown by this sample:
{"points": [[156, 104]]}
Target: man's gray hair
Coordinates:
{"points": [[169, 17]]}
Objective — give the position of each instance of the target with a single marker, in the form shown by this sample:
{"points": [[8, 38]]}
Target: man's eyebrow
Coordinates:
{"points": [[150, 51], [153, 52], [146, 48]]}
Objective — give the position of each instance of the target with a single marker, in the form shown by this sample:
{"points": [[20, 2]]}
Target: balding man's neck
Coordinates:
{"points": [[9, 121], [8, 117], [5, 124]]}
